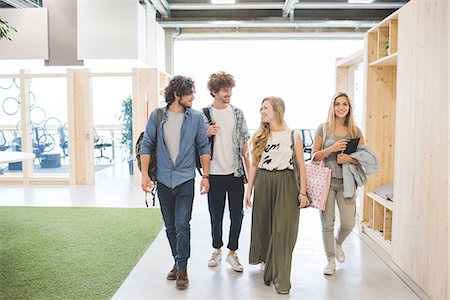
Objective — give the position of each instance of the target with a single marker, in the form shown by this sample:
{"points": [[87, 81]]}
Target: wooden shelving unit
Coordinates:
{"points": [[380, 101]]}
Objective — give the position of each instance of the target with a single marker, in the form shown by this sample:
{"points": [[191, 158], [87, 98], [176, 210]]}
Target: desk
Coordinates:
{"points": [[15, 156]]}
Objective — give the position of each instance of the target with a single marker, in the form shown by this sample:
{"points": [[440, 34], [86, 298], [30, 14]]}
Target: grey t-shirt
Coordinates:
{"points": [[172, 129], [331, 139]]}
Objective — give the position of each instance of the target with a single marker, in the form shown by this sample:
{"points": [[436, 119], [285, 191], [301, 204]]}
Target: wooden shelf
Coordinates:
{"points": [[388, 61], [378, 237], [386, 203], [380, 102], [382, 40]]}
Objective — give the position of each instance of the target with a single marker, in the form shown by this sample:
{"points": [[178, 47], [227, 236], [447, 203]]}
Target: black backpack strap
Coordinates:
{"points": [[159, 114], [207, 113]]}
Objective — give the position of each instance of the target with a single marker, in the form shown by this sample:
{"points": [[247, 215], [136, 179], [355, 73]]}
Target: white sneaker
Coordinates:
{"points": [[262, 265], [340, 255], [233, 260], [330, 268], [216, 257]]}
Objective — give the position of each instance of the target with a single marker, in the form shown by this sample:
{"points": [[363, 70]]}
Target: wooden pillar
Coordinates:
{"points": [[341, 79], [148, 94], [80, 126], [25, 125], [145, 100]]}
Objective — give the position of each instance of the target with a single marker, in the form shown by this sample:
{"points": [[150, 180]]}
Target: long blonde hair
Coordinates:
{"points": [[263, 133], [349, 122]]}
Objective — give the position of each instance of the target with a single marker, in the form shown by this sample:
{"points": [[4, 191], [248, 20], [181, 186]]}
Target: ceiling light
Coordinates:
{"points": [[223, 1], [360, 1]]}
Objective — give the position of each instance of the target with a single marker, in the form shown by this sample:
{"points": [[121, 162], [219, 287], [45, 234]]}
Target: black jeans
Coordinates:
{"points": [[220, 186]]}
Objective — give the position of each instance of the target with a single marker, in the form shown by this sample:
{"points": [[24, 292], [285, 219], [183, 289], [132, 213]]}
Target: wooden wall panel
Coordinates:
{"points": [[380, 105], [145, 100], [448, 149], [26, 126], [341, 79], [420, 230], [81, 127]]}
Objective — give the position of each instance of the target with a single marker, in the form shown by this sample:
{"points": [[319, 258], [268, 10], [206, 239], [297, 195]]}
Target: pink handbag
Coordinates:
{"points": [[318, 180]]}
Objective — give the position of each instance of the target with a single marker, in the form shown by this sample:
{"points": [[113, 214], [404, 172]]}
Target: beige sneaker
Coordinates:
{"points": [[215, 259], [233, 260], [330, 268]]}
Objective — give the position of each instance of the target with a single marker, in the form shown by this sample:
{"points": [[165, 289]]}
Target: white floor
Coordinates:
{"points": [[366, 273]]}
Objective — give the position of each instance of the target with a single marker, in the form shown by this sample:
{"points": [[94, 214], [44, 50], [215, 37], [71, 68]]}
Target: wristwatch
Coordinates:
{"points": [[205, 176]]}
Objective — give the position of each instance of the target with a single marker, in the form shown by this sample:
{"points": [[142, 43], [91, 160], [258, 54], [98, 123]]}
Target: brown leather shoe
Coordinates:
{"points": [[182, 280], [172, 275]]}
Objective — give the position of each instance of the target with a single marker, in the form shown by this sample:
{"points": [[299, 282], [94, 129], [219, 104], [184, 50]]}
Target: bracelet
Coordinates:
{"points": [[302, 194], [205, 176]]}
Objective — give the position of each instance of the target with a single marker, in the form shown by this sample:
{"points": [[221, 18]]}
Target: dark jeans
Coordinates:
{"points": [[220, 185], [176, 209]]}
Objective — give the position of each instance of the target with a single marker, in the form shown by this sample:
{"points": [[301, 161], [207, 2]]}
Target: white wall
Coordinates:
{"points": [[31, 39], [108, 29], [160, 48], [119, 30], [155, 41], [141, 30], [151, 36]]}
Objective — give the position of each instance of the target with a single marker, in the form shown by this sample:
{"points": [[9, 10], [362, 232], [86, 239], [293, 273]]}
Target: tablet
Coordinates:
{"points": [[351, 146]]}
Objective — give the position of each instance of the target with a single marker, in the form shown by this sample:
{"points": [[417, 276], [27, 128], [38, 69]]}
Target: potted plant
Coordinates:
{"points": [[5, 30], [126, 139], [386, 46]]}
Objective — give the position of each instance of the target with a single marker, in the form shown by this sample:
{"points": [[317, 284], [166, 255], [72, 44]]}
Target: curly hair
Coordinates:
{"points": [[263, 133], [220, 80], [180, 86]]}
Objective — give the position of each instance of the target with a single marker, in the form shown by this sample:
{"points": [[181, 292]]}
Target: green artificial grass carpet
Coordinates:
{"points": [[71, 253]]}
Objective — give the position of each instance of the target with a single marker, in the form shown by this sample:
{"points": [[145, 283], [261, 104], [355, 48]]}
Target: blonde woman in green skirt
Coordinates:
{"points": [[277, 197]]}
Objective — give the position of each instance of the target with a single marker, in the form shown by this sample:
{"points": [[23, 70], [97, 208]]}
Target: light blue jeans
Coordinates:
{"points": [[347, 210]]}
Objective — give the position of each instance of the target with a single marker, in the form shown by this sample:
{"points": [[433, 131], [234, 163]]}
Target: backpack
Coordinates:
{"points": [[211, 142], [152, 163]]}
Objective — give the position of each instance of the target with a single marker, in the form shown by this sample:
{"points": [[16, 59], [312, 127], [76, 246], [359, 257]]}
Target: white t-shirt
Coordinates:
{"points": [[277, 154], [172, 131], [222, 157]]}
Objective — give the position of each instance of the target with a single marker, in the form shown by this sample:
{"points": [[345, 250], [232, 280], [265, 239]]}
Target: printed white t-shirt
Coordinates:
{"points": [[277, 154]]}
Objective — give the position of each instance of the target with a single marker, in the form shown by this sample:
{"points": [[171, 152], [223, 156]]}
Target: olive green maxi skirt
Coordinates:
{"points": [[275, 218]]}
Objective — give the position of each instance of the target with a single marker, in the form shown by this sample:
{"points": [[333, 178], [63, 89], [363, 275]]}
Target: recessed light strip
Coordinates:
{"points": [[360, 1], [223, 1]]}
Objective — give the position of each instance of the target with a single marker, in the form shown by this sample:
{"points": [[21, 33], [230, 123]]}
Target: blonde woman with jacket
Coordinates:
{"points": [[339, 128]]}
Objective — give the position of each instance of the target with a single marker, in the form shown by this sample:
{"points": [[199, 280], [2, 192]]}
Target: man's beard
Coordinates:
{"points": [[185, 104]]}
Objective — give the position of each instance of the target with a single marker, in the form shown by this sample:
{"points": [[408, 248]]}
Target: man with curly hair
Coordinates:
{"points": [[181, 131], [228, 135]]}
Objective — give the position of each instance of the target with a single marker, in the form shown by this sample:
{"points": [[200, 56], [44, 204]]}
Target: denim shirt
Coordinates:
{"points": [[240, 137], [192, 137]]}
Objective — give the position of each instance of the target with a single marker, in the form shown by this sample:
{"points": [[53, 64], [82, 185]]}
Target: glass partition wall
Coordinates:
{"points": [[73, 123], [36, 124], [113, 149]]}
